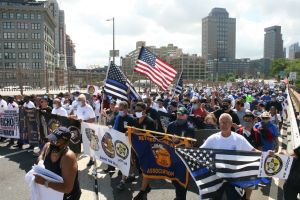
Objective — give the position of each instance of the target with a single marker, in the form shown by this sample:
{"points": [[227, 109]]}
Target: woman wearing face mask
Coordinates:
{"points": [[59, 159], [143, 122]]}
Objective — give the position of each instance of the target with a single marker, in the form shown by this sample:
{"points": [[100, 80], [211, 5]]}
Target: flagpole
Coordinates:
{"points": [[177, 84], [166, 134]]}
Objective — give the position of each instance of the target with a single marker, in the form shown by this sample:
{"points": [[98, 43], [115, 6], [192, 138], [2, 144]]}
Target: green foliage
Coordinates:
{"points": [[279, 65]]}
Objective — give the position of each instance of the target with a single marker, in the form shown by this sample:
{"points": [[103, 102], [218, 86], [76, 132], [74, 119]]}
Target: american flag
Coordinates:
{"points": [[158, 71], [179, 86], [210, 168], [117, 84]]}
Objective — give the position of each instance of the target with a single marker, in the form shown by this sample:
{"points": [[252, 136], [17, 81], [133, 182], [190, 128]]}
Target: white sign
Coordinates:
{"points": [[275, 166], [9, 124], [292, 76], [229, 84], [107, 145], [92, 89]]}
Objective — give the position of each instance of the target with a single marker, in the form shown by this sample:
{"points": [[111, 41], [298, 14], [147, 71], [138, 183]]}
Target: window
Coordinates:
{"points": [[23, 55], [11, 15], [19, 16], [5, 15], [0, 55], [25, 16], [22, 35], [8, 25], [23, 45], [9, 56], [39, 16], [35, 35], [10, 65], [36, 55], [31, 16], [8, 35], [35, 26], [36, 65], [22, 25], [36, 45], [9, 45]]}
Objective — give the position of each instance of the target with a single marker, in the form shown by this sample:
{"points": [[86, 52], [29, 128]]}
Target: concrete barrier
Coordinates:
{"points": [[295, 136]]}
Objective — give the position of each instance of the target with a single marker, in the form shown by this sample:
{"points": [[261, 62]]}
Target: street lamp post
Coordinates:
{"points": [[113, 20]]}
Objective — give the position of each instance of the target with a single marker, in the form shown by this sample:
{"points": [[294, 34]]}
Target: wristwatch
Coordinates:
{"points": [[46, 184]]}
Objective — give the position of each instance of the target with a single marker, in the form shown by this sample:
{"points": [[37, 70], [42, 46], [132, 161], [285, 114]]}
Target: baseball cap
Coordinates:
{"points": [[182, 111], [60, 132]]}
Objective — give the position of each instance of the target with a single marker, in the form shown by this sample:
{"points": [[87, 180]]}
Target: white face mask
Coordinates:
{"points": [[55, 106], [138, 114]]}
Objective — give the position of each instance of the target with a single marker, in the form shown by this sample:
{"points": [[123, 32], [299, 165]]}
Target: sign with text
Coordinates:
{"points": [[9, 124]]}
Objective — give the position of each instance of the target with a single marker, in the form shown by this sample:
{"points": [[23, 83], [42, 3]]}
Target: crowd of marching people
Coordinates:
{"points": [[249, 114]]}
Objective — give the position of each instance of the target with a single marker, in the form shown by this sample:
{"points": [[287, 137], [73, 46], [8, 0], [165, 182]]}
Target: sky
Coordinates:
{"points": [[161, 22]]}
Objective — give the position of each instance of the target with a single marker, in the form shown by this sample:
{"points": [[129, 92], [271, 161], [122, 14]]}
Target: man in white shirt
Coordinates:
{"points": [[58, 109], [3, 104], [28, 104], [85, 113], [11, 104], [75, 103], [226, 139]]}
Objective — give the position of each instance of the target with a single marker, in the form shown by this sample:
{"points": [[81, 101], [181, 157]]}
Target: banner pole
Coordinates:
{"points": [[159, 133]]}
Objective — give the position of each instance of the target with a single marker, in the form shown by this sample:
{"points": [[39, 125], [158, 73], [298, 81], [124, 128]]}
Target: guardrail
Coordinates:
{"points": [[295, 140]]}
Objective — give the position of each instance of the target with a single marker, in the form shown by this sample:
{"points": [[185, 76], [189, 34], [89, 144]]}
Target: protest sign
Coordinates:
{"points": [[9, 124], [108, 145], [275, 165]]}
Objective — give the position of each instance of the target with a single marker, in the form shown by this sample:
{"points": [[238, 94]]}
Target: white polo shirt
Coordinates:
{"points": [[85, 113], [29, 105], [233, 142], [13, 106], [60, 111]]}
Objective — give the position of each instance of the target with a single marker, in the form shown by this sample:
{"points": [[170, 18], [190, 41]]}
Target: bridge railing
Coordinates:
{"points": [[294, 123]]}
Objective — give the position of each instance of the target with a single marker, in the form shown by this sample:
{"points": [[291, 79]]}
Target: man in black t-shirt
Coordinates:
{"points": [[226, 108], [143, 122]]}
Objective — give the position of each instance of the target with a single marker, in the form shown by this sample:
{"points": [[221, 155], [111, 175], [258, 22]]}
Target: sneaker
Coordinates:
{"points": [[130, 179], [90, 163], [142, 195], [121, 186], [19, 146]]}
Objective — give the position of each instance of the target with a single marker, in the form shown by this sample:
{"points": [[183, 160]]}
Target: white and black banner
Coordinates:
{"points": [[275, 165], [107, 145], [9, 124]]}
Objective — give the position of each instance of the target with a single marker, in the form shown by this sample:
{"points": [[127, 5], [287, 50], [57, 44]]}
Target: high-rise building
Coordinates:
{"points": [[218, 35], [70, 52], [27, 44], [273, 43], [293, 49]]}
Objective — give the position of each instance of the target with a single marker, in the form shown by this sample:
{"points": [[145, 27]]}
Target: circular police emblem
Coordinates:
{"points": [[93, 138], [121, 149], [91, 89], [161, 155], [75, 134], [107, 145], [273, 165]]}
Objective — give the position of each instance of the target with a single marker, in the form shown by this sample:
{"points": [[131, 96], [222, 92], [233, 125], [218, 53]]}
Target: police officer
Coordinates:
{"points": [[182, 128]]}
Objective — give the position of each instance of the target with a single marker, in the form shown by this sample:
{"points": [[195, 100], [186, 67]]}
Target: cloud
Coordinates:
{"points": [[171, 21]]}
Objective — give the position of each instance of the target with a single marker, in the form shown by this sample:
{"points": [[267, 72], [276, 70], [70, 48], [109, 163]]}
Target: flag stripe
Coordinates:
{"points": [[235, 167], [224, 157], [238, 174], [158, 71]]}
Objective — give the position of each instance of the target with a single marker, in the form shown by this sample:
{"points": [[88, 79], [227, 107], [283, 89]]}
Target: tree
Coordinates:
{"points": [[278, 65]]}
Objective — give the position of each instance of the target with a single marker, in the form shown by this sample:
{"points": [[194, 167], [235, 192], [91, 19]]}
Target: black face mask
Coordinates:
{"points": [[54, 148], [225, 107], [181, 121]]}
